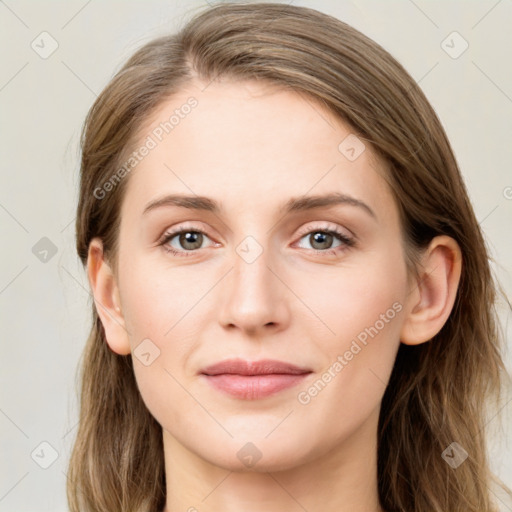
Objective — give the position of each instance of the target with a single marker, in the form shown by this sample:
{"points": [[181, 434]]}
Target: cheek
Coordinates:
{"points": [[161, 339], [354, 299], [154, 300], [357, 365], [160, 307], [362, 308]]}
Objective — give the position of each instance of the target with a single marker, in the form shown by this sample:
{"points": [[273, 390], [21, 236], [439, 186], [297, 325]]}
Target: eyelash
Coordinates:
{"points": [[348, 242]]}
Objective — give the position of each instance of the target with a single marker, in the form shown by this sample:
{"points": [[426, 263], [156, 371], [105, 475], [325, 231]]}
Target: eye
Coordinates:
{"points": [[188, 240], [321, 240]]}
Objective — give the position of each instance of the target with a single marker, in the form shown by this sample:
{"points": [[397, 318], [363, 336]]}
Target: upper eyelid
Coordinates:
{"points": [[183, 227], [326, 226]]}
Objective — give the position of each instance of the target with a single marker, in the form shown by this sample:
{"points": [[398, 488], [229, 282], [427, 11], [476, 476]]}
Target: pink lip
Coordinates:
{"points": [[253, 380], [262, 367]]}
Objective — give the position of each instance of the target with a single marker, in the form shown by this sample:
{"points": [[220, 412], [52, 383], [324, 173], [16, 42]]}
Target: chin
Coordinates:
{"points": [[258, 456]]}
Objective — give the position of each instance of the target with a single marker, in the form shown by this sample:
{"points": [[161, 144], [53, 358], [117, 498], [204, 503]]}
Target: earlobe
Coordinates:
{"points": [[431, 300], [107, 299]]}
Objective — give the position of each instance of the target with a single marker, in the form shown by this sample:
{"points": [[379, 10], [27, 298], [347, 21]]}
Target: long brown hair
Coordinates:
{"points": [[438, 391]]}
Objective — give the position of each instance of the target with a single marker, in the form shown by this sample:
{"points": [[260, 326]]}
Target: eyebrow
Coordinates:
{"points": [[295, 204]]}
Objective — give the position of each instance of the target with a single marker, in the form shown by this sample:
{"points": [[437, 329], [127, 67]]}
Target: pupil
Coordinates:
{"points": [[190, 238], [322, 239]]}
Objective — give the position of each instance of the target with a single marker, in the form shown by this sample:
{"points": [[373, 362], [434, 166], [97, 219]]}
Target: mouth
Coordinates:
{"points": [[253, 380]]}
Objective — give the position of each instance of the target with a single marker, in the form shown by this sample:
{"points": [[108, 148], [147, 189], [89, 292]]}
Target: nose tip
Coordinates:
{"points": [[253, 297]]}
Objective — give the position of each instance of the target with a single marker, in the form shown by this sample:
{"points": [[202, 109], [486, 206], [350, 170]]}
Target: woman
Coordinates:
{"points": [[294, 308]]}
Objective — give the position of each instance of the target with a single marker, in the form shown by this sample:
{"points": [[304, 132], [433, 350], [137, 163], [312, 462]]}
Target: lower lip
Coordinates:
{"points": [[253, 387]]}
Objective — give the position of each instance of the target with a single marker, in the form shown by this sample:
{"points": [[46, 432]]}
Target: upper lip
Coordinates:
{"points": [[262, 367]]}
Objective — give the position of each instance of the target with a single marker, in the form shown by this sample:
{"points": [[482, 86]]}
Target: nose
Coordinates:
{"points": [[254, 298]]}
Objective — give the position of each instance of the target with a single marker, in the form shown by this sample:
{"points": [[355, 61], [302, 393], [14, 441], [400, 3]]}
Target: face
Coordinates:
{"points": [[266, 274]]}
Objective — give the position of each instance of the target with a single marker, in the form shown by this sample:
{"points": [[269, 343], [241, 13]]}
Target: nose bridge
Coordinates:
{"points": [[253, 292], [250, 265]]}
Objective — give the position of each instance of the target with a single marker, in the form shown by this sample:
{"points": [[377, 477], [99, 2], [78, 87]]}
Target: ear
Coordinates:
{"points": [[431, 298], [107, 299]]}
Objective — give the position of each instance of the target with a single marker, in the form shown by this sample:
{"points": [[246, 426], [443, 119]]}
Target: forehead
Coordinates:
{"points": [[249, 143]]}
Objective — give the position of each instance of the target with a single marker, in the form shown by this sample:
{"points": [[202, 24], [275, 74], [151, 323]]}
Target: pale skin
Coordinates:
{"points": [[252, 148]]}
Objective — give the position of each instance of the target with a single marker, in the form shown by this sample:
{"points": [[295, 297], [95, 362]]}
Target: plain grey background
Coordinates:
{"points": [[44, 295]]}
